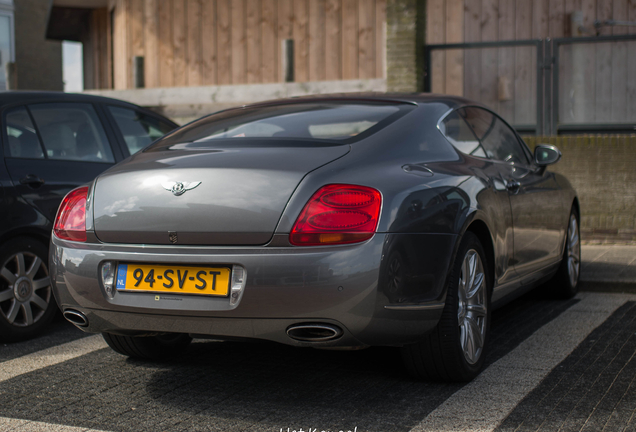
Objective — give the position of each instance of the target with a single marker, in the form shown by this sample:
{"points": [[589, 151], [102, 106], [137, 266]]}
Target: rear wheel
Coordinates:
{"points": [[454, 350], [565, 282], [27, 304], [149, 348]]}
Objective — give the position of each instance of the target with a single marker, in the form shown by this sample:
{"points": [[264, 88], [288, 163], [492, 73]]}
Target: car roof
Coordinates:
{"points": [[13, 97], [412, 98], [9, 98]]}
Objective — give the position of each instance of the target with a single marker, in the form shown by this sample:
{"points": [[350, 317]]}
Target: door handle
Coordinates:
{"points": [[513, 186], [32, 181]]}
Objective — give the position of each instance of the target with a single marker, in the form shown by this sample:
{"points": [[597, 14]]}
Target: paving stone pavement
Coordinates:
{"points": [[553, 365], [593, 389]]}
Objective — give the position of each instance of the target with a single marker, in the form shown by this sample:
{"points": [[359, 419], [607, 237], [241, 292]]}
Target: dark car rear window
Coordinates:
{"points": [[320, 122]]}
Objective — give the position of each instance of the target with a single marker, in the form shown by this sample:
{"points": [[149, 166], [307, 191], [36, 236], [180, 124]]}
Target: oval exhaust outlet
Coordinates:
{"points": [[76, 317], [314, 332]]}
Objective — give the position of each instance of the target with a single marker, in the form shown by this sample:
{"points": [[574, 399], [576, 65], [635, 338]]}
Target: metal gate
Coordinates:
{"points": [[544, 87]]}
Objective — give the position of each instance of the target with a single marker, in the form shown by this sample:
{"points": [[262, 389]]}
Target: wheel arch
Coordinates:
{"points": [[576, 205], [35, 234], [480, 229]]}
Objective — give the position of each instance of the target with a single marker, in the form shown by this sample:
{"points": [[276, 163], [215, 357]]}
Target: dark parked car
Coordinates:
{"points": [[332, 221], [52, 143]]}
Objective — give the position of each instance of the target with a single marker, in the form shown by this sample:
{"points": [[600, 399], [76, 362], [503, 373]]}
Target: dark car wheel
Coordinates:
{"points": [[454, 350], [27, 304], [565, 282], [149, 348]]}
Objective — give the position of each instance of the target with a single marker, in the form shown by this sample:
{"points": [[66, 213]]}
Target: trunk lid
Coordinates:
{"points": [[233, 196]]}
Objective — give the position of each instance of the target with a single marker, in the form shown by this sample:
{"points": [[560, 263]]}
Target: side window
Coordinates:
{"points": [[499, 141], [23, 141], [71, 131], [139, 130], [461, 136]]}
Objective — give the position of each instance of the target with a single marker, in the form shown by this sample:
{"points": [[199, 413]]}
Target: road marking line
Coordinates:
{"points": [[9, 424], [50, 356], [484, 403]]}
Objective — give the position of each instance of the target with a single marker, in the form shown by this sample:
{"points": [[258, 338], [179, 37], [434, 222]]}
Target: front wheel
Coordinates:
{"points": [[161, 347], [565, 283], [455, 350]]}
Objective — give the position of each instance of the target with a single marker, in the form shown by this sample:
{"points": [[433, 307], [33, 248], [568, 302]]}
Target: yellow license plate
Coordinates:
{"points": [[174, 279]]}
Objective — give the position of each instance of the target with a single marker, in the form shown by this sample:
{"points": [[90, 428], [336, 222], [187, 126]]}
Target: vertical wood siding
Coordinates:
{"points": [[595, 80], [212, 42]]}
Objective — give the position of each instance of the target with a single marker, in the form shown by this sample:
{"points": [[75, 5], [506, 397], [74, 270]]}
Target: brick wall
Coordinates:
{"points": [[404, 44], [603, 171]]}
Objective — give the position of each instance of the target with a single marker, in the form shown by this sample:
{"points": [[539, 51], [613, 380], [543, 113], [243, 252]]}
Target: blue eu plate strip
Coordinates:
{"points": [[122, 269]]}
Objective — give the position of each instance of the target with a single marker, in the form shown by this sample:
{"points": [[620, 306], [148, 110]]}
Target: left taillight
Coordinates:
{"points": [[70, 222], [338, 214]]}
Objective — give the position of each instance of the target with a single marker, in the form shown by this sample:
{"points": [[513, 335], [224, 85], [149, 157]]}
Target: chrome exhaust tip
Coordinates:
{"points": [[76, 317], [314, 332]]}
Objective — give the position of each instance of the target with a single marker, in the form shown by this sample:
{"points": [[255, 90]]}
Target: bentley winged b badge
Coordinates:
{"points": [[179, 188]]}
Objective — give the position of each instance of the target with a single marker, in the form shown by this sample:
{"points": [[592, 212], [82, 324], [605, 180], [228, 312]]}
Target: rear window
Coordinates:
{"points": [[333, 122]]}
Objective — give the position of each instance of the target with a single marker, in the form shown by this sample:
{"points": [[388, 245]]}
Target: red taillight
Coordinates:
{"points": [[338, 214], [70, 222]]}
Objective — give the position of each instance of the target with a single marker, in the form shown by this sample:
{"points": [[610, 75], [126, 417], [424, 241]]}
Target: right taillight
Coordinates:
{"points": [[70, 222], [338, 214]]}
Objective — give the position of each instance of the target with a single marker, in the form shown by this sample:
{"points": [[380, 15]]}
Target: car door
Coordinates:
{"points": [[52, 148], [493, 198], [535, 197]]}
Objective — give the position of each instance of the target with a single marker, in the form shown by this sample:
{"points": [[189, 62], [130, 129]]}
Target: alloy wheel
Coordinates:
{"points": [[573, 251], [25, 289], [472, 307]]}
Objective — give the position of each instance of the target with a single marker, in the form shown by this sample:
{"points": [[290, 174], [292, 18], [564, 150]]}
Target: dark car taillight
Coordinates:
{"points": [[338, 214], [70, 222]]}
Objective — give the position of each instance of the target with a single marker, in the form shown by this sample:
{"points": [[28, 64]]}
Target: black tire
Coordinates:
{"points": [[157, 348], [27, 304], [440, 356], [565, 283]]}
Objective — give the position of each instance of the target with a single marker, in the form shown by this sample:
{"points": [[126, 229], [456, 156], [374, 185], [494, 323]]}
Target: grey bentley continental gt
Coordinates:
{"points": [[327, 221]]}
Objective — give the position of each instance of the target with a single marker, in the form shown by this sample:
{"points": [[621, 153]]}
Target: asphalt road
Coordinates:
{"points": [[552, 365]]}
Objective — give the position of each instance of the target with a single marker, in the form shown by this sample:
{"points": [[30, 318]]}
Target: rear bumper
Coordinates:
{"points": [[343, 286]]}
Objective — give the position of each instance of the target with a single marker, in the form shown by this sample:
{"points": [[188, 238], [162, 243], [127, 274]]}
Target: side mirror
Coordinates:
{"points": [[545, 154]]}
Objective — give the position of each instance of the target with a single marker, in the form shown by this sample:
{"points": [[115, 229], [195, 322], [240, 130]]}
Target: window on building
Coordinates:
{"points": [[6, 46]]}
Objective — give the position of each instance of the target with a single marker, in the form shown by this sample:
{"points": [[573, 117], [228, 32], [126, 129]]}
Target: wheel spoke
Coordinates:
{"points": [[20, 259], [463, 336], [26, 307], [35, 266], [463, 284], [477, 310], [476, 287], [6, 295], [473, 269], [13, 312], [41, 283], [8, 275], [470, 346], [477, 337], [39, 301]]}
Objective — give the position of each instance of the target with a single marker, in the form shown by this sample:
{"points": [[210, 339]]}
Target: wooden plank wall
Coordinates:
{"points": [[596, 85], [212, 42]]}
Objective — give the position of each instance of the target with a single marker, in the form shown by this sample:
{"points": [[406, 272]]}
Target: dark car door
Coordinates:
{"points": [[52, 148], [535, 197]]}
